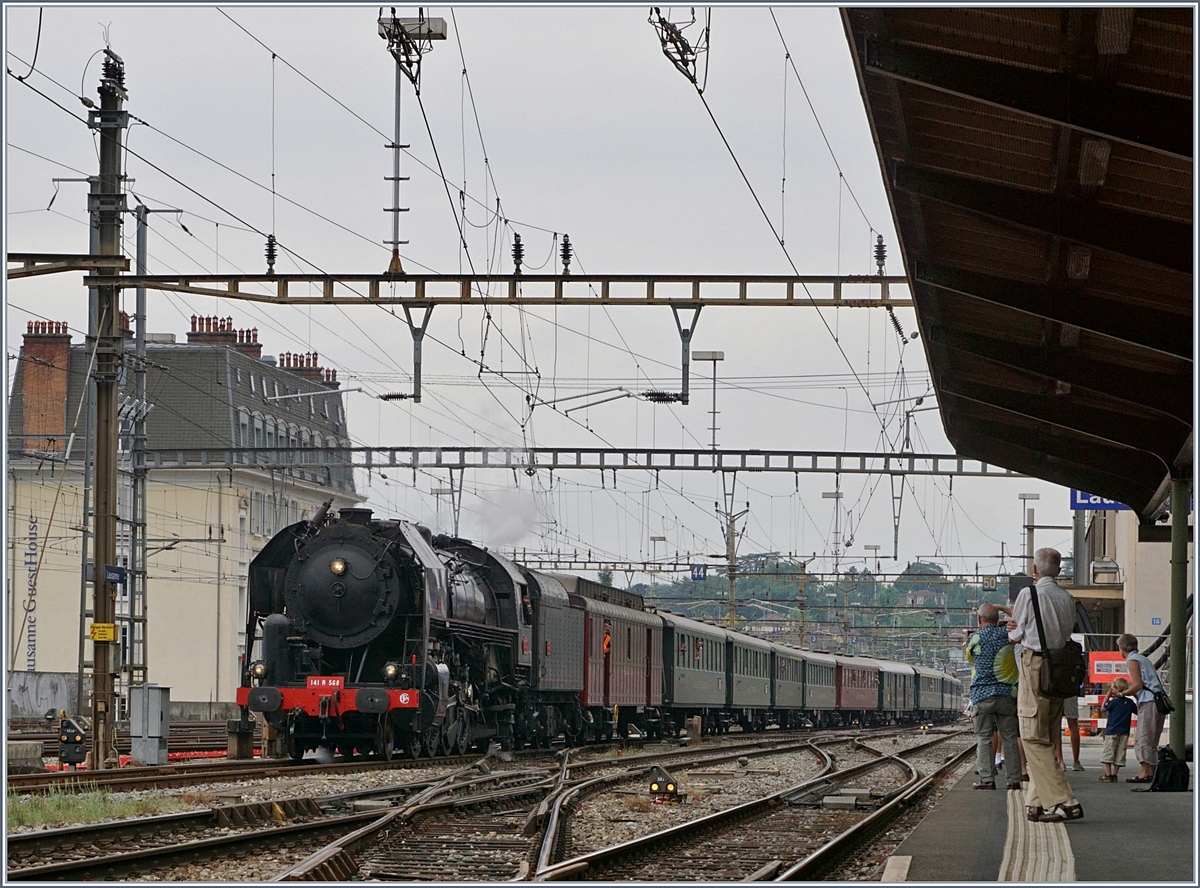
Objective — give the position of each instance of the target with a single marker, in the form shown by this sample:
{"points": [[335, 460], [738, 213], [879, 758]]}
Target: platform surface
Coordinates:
{"points": [[1124, 837]]}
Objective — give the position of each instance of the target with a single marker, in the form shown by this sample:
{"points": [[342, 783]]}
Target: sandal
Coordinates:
{"points": [[1034, 812], [1138, 779], [1062, 813]]}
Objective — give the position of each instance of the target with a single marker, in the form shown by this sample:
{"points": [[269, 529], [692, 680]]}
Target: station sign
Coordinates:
{"points": [[699, 572], [103, 632], [1081, 501], [989, 584], [114, 574]]}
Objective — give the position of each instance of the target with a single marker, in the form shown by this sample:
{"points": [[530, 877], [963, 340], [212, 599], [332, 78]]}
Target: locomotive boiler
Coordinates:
{"points": [[372, 639]]}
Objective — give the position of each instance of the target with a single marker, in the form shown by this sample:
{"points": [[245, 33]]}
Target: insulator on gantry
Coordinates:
{"points": [[880, 253], [271, 252], [518, 253], [566, 254], [895, 322]]}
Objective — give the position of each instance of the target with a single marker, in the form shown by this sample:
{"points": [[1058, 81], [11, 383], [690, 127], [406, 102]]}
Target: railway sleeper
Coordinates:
{"points": [[335, 865], [258, 812]]}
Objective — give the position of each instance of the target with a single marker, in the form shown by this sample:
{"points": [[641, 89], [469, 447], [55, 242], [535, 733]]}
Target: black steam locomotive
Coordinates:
{"points": [[377, 636]]}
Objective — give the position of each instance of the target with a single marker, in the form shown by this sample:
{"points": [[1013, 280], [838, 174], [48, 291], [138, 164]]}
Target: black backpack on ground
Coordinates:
{"points": [[1171, 774]]}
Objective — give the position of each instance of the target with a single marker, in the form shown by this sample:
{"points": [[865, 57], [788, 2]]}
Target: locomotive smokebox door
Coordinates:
{"points": [[72, 742]]}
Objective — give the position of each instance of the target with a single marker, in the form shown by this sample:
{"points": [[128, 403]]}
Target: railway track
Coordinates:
{"points": [[150, 846], [788, 835], [194, 773], [493, 836], [466, 826], [184, 737]]}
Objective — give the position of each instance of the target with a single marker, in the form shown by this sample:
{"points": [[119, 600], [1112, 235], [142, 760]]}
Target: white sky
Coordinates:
{"points": [[588, 130]]}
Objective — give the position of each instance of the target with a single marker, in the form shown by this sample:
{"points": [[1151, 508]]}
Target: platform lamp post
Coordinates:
{"points": [[1027, 515]]}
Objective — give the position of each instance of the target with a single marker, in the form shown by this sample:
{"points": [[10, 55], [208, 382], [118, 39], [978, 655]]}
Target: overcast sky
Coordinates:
{"points": [[587, 129]]}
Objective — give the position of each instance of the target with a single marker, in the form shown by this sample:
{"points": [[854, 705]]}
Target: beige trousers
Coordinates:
{"points": [[1040, 718]]}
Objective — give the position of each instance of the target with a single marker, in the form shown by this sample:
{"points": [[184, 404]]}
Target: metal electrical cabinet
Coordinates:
{"points": [[149, 723]]}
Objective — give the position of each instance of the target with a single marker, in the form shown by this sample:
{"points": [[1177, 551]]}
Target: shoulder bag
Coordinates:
{"points": [[1162, 702], [1063, 670]]}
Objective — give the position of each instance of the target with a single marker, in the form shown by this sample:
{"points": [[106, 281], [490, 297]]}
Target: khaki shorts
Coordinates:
{"points": [[1114, 749]]}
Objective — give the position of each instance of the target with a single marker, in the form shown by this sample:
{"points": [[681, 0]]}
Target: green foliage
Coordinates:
{"points": [[605, 577], [59, 808]]}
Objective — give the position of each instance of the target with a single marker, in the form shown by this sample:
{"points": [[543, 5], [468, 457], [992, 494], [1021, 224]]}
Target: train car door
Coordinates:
{"points": [[607, 649]]}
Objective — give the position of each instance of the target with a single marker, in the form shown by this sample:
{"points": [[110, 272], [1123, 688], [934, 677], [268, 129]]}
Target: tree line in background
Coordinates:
{"points": [[917, 616]]}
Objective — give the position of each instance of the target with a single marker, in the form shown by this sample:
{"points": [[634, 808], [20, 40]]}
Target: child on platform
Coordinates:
{"points": [[1120, 710]]}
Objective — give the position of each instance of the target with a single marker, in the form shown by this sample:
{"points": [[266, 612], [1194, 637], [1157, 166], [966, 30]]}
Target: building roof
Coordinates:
{"points": [[1038, 162], [200, 393]]}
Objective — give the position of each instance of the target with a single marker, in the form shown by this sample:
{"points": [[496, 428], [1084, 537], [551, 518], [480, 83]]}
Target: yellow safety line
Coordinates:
{"points": [[1034, 852]]}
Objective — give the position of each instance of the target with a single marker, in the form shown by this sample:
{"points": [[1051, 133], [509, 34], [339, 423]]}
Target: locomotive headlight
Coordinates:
{"points": [[258, 670], [338, 566], [390, 671]]}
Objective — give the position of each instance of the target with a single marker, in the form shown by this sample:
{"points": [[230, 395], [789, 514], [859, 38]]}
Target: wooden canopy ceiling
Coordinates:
{"points": [[1039, 168]]}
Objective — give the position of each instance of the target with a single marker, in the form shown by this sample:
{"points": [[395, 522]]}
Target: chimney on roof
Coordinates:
{"points": [[221, 332], [46, 361], [303, 365]]}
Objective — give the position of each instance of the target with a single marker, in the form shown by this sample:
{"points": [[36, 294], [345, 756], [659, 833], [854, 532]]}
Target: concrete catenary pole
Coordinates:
{"points": [[108, 201], [1181, 496]]}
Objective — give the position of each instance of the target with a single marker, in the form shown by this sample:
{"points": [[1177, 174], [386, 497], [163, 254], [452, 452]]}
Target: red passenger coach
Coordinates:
{"points": [[857, 684], [623, 659]]}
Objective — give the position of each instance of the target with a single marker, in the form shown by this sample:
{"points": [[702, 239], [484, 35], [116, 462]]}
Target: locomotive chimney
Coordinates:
{"points": [[355, 516]]}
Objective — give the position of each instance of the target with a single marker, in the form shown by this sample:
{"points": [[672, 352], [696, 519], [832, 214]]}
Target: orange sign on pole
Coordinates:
{"points": [[1104, 666]]}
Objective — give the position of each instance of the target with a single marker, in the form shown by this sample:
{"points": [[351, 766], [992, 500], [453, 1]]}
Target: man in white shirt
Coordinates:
{"points": [[1049, 798]]}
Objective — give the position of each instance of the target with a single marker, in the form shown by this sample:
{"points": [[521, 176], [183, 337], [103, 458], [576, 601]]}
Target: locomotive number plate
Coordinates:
{"points": [[325, 681]]}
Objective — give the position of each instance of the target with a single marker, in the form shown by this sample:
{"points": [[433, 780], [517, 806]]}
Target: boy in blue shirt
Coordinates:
{"points": [[1120, 711]]}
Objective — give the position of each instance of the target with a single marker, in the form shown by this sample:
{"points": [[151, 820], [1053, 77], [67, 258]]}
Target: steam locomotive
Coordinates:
{"points": [[377, 636]]}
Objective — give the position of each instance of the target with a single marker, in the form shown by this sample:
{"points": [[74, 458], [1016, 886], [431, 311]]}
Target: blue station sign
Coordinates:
{"points": [[1083, 501], [699, 572]]}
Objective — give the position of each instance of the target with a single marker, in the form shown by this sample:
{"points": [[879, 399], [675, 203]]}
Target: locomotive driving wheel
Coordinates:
{"points": [[412, 744], [431, 741], [462, 744], [385, 738]]}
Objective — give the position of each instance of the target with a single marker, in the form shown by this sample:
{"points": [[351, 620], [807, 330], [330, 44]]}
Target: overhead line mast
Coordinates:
{"points": [[107, 203]]}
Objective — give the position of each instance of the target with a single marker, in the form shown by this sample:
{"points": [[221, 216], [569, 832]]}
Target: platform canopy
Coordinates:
{"points": [[1038, 162]]}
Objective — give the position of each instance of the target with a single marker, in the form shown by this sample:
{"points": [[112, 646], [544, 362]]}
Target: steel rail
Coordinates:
{"points": [[829, 854], [335, 861], [561, 800], [110, 866], [572, 867]]}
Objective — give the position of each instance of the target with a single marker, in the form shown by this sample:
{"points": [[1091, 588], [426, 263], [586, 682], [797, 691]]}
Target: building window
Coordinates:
{"points": [[251, 380]]}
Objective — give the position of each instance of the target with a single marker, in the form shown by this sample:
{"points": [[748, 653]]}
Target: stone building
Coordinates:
{"points": [[209, 506]]}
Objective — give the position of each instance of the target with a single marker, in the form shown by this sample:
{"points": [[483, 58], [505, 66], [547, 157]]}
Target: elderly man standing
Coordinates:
{"points": [[993, 691], [1049, 798]]}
